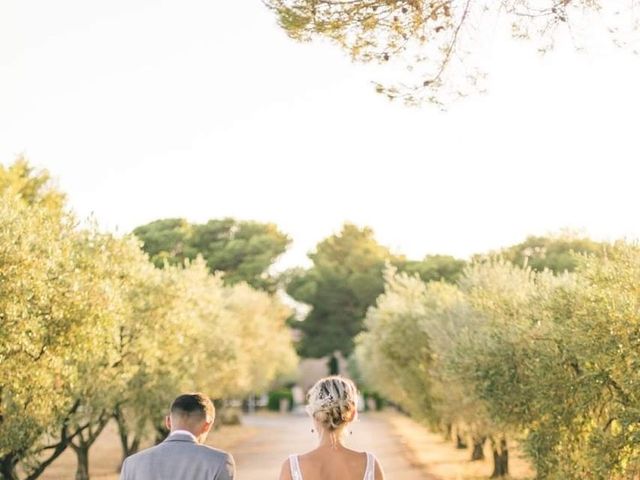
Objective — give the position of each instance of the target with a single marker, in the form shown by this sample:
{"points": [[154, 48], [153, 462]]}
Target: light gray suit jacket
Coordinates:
{"points": [[179, 457]]}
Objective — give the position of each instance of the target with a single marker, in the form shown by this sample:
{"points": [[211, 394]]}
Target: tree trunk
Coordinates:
{"points": [[56, 449], [333, 366], [500, 458], [478, 448], [129, 445], [162, 433], [82, 470], [130, 449], [448, 431], [460, 444], [85, 443], [8, 467], [135, 444]]}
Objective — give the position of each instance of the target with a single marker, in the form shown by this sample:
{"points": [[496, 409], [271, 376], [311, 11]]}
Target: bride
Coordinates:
{"points": [[332, 407]]}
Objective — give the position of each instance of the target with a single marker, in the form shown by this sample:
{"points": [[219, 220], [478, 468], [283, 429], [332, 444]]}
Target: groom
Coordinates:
{"points": [[182, 455]]}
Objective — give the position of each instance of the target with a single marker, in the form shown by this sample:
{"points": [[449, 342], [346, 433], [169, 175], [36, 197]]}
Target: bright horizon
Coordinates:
{"points": [[195, 110]]}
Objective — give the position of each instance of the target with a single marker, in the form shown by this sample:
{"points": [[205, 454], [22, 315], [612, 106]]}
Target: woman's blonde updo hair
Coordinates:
{"points": [[333, 402]]}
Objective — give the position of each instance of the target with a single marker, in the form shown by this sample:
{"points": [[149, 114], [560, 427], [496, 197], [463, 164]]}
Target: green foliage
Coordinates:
{"points": [[344, 281], [410, 349], [293, 22], [377, 399], [390, 364], [242, 250], [33, 187], [435, 268], [556, 253], [276, 396], [165, 241]]}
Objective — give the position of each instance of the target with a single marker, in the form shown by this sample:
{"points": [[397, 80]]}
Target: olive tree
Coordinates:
{"points": [[58, 311], [565, 374]]}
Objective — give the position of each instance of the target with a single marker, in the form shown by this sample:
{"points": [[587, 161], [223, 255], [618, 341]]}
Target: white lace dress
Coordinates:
{"points": [[369, 473]]}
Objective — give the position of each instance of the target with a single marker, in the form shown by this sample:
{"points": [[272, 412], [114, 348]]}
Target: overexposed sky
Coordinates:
{"points": [[204, 109]]}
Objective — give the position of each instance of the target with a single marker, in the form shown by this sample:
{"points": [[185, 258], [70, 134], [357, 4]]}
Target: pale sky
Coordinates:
{"points": [[205, 109]]}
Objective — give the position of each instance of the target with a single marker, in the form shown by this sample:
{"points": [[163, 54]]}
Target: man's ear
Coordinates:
{"points": [[167, 422], [206, 426]]}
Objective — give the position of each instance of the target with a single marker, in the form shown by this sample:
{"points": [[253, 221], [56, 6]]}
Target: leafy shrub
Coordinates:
{"points": [[274, 399]]}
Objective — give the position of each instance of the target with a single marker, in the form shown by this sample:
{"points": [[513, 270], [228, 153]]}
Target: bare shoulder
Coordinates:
{"points": [[355, 454], [312, 456], [285, 471]]}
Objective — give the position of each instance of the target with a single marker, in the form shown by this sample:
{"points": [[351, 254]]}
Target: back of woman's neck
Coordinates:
{"points": [[331, 440]]}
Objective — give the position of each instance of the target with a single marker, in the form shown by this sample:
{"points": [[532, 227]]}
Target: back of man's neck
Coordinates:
{"points": [[180, 431]]}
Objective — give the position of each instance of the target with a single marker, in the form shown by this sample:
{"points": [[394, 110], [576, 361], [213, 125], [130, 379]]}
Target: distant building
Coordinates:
{"points": [[311, 370]]}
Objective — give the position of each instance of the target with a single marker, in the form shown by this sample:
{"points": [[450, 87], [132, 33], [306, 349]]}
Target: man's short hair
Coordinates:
{"points": [[194, 405]]}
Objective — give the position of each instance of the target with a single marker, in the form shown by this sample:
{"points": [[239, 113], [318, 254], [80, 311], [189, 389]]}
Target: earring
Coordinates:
{"points": [[313, 430]]}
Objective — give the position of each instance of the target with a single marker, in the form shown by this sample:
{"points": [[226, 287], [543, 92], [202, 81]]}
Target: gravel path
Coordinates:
{"points": [[260, 457]]}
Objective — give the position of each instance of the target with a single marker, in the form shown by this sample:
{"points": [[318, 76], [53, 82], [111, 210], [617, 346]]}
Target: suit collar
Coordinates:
{"points": [[180, 436]]}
